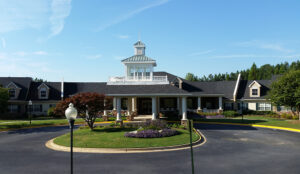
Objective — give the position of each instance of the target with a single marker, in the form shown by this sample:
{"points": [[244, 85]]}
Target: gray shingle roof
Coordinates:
{"points": [[244, 90], [54, 91], [72, 88], [225, 88], [138, 58], [22, 82]]}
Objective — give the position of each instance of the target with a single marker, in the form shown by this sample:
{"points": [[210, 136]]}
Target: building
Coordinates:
{"points": [[144, 92]]}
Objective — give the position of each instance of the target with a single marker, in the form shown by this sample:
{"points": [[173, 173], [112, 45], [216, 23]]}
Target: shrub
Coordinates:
{"points": [[153, 124], [50, 112], [152, 133], [230, 113]]}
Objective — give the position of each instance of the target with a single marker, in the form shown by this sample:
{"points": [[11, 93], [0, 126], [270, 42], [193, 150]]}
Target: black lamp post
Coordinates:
{"points": [[71, 114], [30, 110]]}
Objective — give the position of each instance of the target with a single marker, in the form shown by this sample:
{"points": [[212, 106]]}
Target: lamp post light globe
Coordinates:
{"points": [[71, 112], [30, 111]]}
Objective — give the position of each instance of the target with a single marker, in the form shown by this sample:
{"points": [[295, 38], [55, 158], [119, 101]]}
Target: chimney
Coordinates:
{"points": [[236, 87]]}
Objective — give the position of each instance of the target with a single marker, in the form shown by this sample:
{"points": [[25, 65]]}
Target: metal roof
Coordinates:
{"points": [[138, 58]]}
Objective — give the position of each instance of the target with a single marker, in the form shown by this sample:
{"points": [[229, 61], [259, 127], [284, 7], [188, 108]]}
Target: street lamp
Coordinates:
{"points": [[30, 110], [71, 114]]}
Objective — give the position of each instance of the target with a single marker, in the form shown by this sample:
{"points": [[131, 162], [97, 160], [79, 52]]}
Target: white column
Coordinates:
{"points": [[184, 113], [220, 103], [119, 109], [153, 108], [199, 103], [129, 107], [133, 104], [105, 111], [114, 103]]}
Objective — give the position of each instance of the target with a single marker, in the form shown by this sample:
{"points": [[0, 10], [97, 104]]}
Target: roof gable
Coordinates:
{"points": [[43, 85], [254, 82], [12, 85]]}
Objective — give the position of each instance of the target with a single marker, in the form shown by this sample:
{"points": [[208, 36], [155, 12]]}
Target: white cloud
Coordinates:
{"points": [[34, 14], [20, 53], [3, 43], [202, 52], [123, 36], [40, 53], [93, 57], [264, 45], [60, 10], [130, 14], [17, 15], [13, 65]]}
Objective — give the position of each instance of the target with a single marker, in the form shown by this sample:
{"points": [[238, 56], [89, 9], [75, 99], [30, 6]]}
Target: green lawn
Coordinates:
{"points": [[114, 138], [14, 124], [260, 120]]}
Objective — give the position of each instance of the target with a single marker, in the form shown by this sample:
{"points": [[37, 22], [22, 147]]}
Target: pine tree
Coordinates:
{"points": [[253, 72]]}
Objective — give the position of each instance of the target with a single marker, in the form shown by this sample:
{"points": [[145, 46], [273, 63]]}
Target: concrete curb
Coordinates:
{"points": [[253, 125], [51, 145]]}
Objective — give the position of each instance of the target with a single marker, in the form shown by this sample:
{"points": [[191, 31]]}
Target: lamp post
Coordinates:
{"points": [[30, 111], [71, 114]]}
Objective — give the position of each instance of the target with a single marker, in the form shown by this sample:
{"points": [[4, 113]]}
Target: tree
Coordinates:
{"points": [[286, 90], [4, 96], [253, 72], [191, 77], [39, 80], [89, 106]]}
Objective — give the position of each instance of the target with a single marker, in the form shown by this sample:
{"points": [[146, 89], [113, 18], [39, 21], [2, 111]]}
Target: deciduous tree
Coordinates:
{"points": [[286, 90], [89, 106]]}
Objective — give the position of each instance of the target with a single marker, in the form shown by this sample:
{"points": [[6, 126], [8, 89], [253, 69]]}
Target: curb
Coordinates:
{"points": [[253, 125], [51, 145]]}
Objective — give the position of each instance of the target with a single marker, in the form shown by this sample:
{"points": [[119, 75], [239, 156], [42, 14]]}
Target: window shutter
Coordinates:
{"points": [[41, 108]]}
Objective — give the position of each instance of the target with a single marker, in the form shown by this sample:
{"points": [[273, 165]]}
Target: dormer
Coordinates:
{"points": [[43, 91], [13, 90], [254, 89]]}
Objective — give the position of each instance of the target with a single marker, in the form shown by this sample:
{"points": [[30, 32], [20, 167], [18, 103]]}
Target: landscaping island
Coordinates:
{"points": [[113, 137]]}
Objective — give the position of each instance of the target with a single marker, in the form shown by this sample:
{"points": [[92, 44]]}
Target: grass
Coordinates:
{"points": [[114, 138], [16, 124], [260, 120], [42, 121]]}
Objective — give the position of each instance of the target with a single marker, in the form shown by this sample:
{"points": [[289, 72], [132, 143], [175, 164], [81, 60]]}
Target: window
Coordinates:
{"points": [[12, 93], [43, 93], [244, 106], [37, 108], [254, 92], [13, 108], [264, 107], [228, 106]]}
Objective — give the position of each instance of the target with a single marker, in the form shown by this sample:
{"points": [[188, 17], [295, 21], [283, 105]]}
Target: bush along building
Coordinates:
{"points": [[142, 91]]}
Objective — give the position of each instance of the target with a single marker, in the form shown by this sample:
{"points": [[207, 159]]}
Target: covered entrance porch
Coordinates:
{"points": [[176, 105]]}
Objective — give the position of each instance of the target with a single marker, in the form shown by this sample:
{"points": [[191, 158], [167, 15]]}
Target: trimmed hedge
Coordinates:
{"points": [[230, 113]]}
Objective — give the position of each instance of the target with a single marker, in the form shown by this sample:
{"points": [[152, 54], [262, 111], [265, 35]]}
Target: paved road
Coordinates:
{"points": [[228, 150]]}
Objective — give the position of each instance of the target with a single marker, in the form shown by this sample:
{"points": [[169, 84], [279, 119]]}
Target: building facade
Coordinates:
{"points": [[143, 91]]}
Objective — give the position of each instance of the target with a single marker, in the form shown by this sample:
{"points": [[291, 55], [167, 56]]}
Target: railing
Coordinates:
{"points": [[138, 80]]}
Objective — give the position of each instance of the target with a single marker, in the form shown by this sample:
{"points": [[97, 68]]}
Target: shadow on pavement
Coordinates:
{"points": [[204, 126], [40, 129]]}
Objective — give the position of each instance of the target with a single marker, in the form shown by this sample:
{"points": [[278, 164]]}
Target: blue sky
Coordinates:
{"points": [[86, 40]]}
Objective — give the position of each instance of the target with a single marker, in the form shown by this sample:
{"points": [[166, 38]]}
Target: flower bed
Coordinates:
{"points": [[152, 133]]}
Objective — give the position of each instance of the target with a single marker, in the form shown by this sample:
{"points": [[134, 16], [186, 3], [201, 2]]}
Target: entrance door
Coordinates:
{"points": [[144, 106]]}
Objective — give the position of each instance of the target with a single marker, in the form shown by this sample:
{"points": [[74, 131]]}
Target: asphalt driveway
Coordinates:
{"points": [[228, 150]]}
